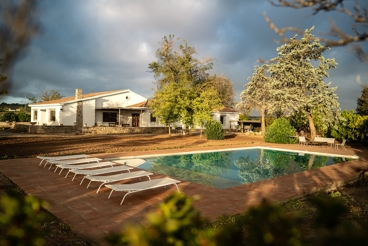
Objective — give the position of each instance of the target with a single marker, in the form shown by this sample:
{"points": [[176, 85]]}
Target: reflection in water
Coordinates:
{"points": [[232, 168]]}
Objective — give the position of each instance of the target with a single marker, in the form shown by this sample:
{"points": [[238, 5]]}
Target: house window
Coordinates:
{"points": [[222, 119], [52, 115], [109, 116], [35, 115], [153, 118]]}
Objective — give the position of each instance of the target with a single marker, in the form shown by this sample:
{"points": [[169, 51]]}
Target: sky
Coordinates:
{"points": [[102, 45]]}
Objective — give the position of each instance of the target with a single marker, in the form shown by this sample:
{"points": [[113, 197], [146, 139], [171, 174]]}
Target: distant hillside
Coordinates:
{"points": [[12, 106]]}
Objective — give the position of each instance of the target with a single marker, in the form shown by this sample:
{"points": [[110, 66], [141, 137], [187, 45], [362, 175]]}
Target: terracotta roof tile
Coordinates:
{"points": [[141, 104], [69, 99]]}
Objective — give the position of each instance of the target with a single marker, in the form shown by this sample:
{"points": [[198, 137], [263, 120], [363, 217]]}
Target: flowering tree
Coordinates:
{"points": [[257, 93]]}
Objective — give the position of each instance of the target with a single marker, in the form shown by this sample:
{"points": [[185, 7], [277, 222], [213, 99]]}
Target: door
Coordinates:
{"points": [[135, 120]]}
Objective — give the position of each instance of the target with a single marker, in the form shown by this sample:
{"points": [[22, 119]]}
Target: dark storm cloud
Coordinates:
{"points": [[100, 45]]}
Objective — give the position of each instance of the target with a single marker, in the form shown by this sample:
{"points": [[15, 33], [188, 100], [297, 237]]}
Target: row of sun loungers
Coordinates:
{"points": [[96, 171]]}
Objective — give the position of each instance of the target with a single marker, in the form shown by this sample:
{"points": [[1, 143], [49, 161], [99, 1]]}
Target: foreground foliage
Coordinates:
{"points": [[177, 223]]}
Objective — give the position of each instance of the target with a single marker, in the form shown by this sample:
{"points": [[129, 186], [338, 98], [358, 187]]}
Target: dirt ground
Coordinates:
{"points": [[24, 146]]}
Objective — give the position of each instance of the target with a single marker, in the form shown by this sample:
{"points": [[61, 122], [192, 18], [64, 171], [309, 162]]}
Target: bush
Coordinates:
{"points": [[280, 132], [24, 117], [353, 127], [214, 130], [9, 116]]}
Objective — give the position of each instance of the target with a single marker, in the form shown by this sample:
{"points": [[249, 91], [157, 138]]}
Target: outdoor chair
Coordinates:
{"points": [[302, 140], [342, 145], [64, 157], [141, 186], [69, 162], [116, 177], [99, 171], [84, 166]]}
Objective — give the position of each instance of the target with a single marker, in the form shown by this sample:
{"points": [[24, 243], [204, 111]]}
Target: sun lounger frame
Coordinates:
{"points": [[63, 157], [87, 173], [72, 162], [141, 186], [116, 177], [85, 166]]}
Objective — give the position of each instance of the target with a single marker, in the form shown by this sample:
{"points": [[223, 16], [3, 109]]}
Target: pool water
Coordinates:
{"points": [[227, 169]]}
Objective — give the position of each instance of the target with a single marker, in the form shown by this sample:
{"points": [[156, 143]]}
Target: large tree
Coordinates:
{"points": [[181, 79], [224, 88], [3, 77], [335, 36], [18, 26], [362, 107], [257, 93], [298, 86]]}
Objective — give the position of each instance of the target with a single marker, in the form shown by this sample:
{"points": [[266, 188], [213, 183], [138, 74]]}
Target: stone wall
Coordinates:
{"points": [[37, 129], [124, 130], [34, 129]]}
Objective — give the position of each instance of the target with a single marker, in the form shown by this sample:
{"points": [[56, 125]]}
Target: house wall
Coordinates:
{"points": [[68, 115], [119, 100], [43, 115], [229, 116], [89, 110]]}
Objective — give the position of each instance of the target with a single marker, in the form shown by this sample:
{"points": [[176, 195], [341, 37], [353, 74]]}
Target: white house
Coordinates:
{"points": [[118, 107]]}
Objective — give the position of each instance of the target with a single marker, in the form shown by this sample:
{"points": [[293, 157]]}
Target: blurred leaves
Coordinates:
{"points": [[20, 219]]}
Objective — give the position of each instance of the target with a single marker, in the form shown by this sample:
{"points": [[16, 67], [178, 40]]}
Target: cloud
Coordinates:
{"points": [[100, 45]]}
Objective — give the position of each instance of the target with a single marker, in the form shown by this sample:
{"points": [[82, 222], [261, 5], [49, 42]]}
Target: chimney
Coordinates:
{"points": [[78, 94]]}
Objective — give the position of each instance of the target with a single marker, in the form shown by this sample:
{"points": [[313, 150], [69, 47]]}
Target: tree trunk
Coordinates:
{"points": [[169, 130], [263, 122], [201, 132], [310, 161], [312, 127]]}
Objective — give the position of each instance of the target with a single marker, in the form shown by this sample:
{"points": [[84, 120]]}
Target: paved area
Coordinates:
{"points": [[94, 216]]}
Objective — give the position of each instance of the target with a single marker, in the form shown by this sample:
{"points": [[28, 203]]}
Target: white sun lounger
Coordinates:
{"points": [[141, 186], [70, 162], [116, 177], [64, 157], [130, 162], [99, 171], [85, 166]]}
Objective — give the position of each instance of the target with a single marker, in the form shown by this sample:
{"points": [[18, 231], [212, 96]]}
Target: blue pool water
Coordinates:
{"points": [[232, 168]]}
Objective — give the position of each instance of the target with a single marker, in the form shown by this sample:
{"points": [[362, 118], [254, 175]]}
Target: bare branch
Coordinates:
{"points": [[360, 82], [316, 5]]}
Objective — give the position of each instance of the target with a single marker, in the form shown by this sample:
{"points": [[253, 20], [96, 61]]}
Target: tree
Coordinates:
{"points": [[298, 86], [183, 89], [18, 26], [165, 106], [3, 77], [50, 95], [359, 16], [224, 88], [257, 93], [362, 102]]}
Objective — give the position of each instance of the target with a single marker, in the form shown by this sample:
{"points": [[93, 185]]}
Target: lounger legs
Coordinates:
{"points": [[129, 192]]}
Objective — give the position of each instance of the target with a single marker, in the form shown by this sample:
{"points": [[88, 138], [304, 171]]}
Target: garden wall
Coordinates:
{"points": [[36, 129], [124, 130], [33, 129]]}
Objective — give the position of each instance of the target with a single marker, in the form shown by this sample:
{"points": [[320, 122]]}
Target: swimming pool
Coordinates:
{"points": [[225, 169]]}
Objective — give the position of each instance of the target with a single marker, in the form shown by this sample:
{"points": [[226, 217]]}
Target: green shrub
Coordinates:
{"points": [[214, 130], [280, 132], [353, 127], [9, 116], [24, 117]]}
